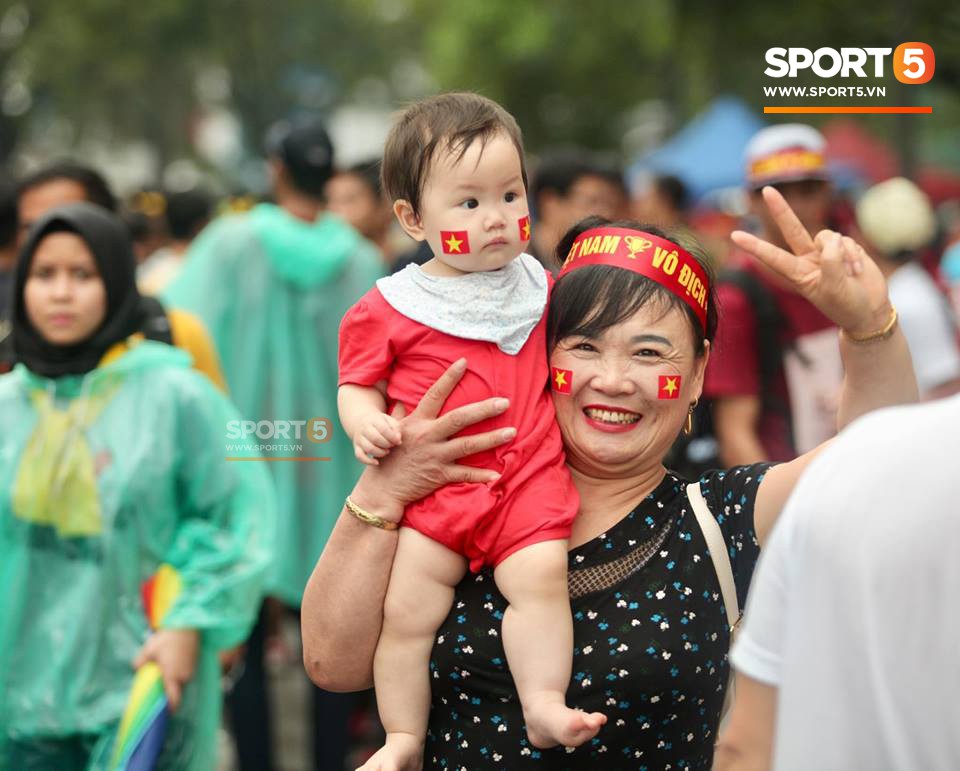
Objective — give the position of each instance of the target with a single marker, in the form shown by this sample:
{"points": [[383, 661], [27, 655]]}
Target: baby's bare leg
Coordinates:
{"points": [[418, 600], [538, 640]]}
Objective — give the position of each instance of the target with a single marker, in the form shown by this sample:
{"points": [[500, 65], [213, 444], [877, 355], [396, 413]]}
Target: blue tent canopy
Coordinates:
{"points": [[707, 154]]}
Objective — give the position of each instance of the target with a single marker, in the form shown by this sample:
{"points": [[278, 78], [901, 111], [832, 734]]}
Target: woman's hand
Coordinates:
{"points": [[341, 625], [836, 275], [175, 652], [832, 271], [426, 457]]}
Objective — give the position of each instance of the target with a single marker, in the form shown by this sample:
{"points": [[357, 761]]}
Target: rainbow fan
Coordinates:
{"points": [[144, 723]]}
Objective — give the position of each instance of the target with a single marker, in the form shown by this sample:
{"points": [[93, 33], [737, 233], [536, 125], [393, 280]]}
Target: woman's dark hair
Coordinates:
{"points": [[590, 300]]}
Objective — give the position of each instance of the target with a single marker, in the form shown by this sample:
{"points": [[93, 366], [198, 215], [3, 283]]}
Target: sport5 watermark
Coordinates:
{"points": [[270, 437], [316, 429], [913, 63]]}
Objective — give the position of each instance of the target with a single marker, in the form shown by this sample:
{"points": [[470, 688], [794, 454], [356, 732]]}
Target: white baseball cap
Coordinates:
{"points": [[786, 153]]}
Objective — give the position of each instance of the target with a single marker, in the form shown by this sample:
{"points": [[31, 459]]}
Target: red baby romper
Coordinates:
{"points": [[534, 500]]}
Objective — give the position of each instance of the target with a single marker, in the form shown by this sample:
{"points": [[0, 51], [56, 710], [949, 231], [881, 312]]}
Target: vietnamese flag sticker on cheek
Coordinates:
{"points": [[561, 380], [455, 241], [669, 387], [524, 224]]}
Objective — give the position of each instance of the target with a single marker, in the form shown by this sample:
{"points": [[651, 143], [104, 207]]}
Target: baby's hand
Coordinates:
{"points": [[375, 438]]}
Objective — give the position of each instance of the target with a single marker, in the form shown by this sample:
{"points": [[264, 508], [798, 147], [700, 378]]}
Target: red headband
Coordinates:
{"points": [[656, 258]]}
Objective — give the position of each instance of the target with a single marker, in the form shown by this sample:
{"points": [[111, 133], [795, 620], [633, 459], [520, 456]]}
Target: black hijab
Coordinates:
{"points": [[109, 241]]}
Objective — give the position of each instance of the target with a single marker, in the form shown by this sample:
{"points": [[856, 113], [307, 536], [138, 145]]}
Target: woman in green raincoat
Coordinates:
{"points": [[112, 463]]}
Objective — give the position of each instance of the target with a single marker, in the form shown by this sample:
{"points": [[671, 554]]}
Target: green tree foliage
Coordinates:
{"points": [[570, 71]]}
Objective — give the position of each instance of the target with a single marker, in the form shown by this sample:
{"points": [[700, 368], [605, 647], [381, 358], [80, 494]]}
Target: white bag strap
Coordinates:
{"points": [[718, 552]]}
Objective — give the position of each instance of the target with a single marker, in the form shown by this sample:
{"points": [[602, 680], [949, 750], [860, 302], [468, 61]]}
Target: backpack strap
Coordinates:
{"points": [[718, 552]]}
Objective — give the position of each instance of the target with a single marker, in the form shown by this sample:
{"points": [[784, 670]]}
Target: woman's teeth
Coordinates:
{"points": [[605, 416]]}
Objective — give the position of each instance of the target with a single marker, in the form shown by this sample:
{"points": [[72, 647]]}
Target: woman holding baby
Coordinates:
{"points": [[627, 333]]}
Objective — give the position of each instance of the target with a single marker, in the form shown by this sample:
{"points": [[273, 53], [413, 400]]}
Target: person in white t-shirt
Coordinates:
{"points": [[930, 329], [850, 655], [896, 220]]}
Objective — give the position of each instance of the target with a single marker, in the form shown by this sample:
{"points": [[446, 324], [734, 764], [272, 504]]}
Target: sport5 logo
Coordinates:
{"points": [[913, 63]]}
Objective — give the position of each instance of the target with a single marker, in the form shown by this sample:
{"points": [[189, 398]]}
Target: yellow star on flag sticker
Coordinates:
{"points": [[455, 241], [562, 380], [524, 223], [669, 387]]}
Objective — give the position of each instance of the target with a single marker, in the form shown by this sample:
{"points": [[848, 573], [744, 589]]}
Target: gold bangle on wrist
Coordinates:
{"points": [[880, 334], [369, 519]]}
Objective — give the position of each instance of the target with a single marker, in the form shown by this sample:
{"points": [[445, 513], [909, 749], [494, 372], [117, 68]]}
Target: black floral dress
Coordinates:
{"points": [[650, 643]]}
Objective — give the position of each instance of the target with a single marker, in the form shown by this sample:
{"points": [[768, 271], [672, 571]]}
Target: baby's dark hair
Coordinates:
{"points": [[444, 122], [592, 299]]}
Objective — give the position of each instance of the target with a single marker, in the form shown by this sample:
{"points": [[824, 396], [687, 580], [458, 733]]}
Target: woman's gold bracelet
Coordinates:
{"points": [[369, 519], [880, 334]]}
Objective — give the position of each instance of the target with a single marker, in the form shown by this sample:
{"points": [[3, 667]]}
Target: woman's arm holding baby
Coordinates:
{"points": [[343, 602]]}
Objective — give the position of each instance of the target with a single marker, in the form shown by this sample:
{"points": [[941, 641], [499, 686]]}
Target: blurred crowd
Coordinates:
{"points": [[254, 291]]}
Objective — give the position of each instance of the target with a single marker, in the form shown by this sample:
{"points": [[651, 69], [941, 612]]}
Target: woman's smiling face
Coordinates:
{"points": [[631, 387]]}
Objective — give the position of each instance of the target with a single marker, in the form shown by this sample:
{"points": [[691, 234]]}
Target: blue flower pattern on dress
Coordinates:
{"points": [[650, 652]]}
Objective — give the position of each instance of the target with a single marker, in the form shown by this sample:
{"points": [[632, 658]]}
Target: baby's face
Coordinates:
{"points": [[473, 211]]}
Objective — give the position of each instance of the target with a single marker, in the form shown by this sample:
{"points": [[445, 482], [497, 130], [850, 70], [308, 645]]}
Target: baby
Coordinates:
{"points": [[453, 165]]}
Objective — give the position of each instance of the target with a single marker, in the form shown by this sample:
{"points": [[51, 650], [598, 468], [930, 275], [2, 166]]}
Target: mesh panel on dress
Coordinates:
{"points": [[600, 577]]}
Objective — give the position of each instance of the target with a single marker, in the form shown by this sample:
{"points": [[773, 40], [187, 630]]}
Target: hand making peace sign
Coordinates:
{"points": [[832, 271]]}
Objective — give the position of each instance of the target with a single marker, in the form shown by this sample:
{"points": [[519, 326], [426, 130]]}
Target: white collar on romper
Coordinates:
{"points": [[500, 306]]}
